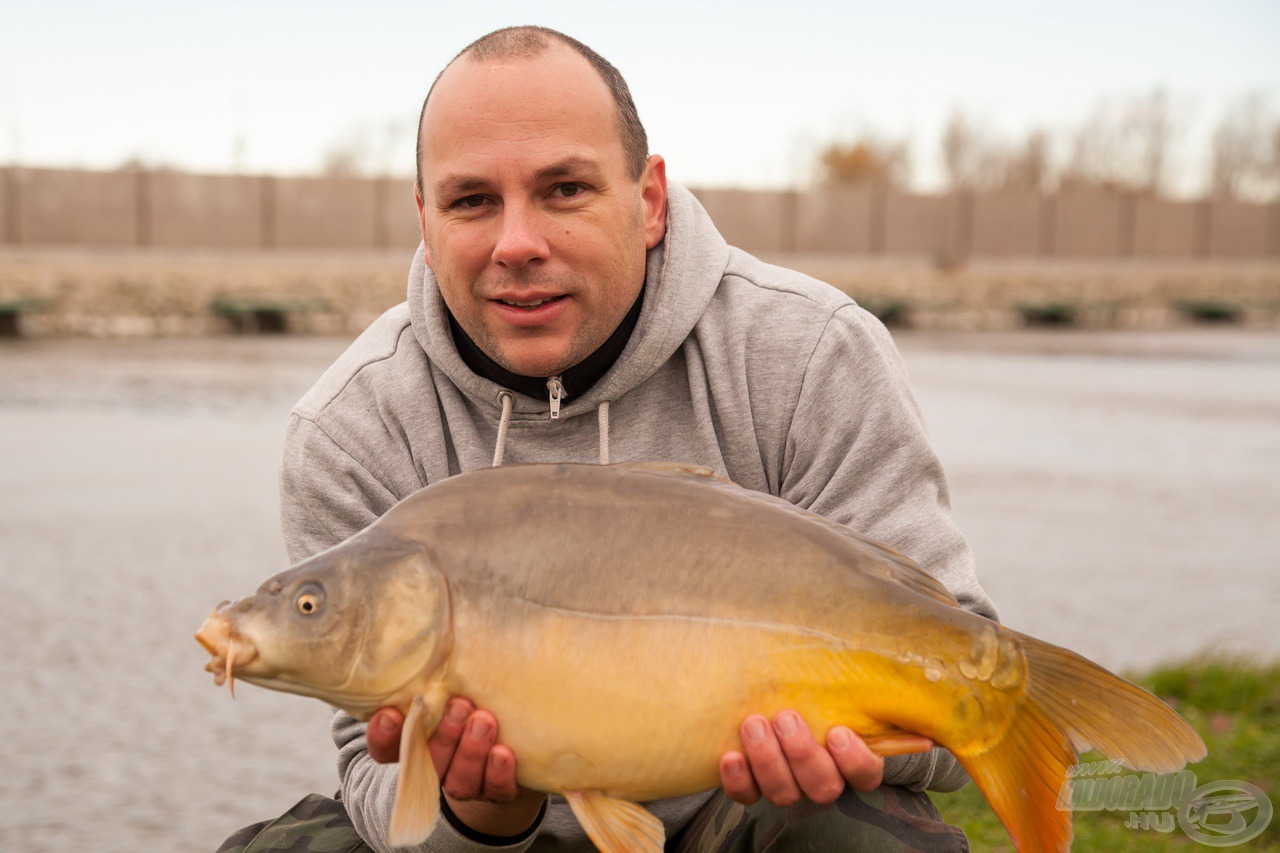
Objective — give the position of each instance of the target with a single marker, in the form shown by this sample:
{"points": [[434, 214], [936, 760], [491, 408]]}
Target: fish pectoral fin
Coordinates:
{"points": [[897, 742], [418, 791], [616, 826]]}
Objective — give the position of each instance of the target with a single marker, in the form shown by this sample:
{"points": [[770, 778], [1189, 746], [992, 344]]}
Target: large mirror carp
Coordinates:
{"points": [[622, 620]]}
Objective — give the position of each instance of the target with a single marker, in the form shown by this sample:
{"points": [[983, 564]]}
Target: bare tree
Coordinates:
{"points": [[867, 160], [1029, 168], [1124, 145], [367, 150], [973, 162], [976, 161], [1246, 152]]}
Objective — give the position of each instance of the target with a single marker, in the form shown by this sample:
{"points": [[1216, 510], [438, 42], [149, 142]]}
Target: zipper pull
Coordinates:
{"points": [[557, 392]]}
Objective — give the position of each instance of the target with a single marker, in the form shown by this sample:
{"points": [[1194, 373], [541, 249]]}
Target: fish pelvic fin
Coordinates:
{"points": [[616, 826], [1071, 704], [417, 806]]}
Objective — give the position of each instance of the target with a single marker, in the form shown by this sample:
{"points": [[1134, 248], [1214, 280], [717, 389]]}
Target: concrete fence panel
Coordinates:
{"points": [[1237, 230], [1088, 224], [1165, 229], [7, 198], [920, 225], [758, 221], [1006, 225], [399, 214], [837, 219], [77, 208], [206, 211], [323, 213]]}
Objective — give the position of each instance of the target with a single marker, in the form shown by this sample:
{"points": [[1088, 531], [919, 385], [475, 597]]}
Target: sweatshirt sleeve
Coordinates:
{"points": [[857, 453], [326, 496]]}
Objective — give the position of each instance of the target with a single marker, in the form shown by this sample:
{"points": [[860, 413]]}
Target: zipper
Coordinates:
{"points": [[556, 388]]}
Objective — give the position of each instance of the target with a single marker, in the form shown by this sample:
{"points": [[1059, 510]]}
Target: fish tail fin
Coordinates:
{"points": [[1071, 705]]}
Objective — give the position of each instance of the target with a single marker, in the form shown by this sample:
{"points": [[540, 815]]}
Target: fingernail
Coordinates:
{"points": [[733, 765], [386, 724], [480, 729], [786, 724], [839, 738], [456, 713], [755, 730]]}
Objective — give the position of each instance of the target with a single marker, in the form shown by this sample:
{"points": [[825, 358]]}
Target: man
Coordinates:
{"points": [[567, 305]]}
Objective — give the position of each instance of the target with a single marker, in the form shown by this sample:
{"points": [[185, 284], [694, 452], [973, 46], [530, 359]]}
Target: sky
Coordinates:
{"points": [[732, 94]]}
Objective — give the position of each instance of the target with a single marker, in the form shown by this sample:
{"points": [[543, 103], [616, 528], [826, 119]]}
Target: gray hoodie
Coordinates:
{"points": [[775, 380]]}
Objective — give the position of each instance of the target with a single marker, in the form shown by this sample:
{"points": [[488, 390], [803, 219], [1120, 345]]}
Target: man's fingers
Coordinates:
{"points": [[768, 764], [736, 779], [812, 766], [444, 741], [500, 775], [465, 777], [863, 769], [383, 735]]}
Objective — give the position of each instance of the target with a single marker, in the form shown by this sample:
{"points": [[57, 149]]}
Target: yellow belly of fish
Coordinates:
{"points": [[643, 708]]}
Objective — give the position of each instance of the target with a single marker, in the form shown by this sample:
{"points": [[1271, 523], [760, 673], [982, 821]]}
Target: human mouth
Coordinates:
{"points": [[530, 309], [530, 304]]}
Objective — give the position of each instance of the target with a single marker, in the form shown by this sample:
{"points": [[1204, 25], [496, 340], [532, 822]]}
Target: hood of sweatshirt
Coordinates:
{"points": [[681, 275]]}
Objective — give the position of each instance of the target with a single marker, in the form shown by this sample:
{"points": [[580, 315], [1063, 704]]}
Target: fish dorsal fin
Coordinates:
{"points": [[418, 791], [616, 826], [905, 570]]}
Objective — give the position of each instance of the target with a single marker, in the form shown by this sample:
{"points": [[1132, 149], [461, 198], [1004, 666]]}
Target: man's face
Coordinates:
{"points": [[534, 227]]}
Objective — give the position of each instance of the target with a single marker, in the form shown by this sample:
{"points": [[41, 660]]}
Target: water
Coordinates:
{"points": [[1121, 493]]}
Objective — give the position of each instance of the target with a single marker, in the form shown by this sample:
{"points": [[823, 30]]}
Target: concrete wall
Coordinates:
{"points": [[217, 212], [1087, 224], [921, 225], [59, 207], [1166, 229], [66, 207], [7, 199], [759, 219], [839, 219], [399, 214], [1238, 230], [1006, 225]]}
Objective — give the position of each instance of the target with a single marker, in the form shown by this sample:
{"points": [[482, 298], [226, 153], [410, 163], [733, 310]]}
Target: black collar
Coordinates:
{"points": [[576, 379]]}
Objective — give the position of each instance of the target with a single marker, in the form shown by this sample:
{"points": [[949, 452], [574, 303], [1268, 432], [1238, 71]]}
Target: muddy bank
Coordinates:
{"points": [[122, 294]]}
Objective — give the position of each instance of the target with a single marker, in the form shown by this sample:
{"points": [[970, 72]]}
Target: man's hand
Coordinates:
{"points": [[477, 774], [784, 762]]}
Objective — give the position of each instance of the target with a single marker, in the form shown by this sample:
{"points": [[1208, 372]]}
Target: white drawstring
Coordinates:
{"points": [[508, 402], [602, 417]]}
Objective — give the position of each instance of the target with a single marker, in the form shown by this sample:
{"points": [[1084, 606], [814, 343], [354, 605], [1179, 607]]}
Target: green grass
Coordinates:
{"points": [[1233, 704]]}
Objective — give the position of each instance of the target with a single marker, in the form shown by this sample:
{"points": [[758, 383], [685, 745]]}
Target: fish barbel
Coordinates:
{"points": [[622, 620]]}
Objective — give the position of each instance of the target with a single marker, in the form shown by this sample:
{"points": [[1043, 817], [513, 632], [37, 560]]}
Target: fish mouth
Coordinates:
{"points": [[230, 649]]}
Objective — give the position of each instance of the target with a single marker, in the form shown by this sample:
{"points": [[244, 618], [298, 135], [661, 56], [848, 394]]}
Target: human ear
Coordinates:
{"points": [[653, 195]]}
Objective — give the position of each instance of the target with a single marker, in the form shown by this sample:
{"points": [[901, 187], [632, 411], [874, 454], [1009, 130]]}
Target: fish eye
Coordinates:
{"points": [[309, 600]]}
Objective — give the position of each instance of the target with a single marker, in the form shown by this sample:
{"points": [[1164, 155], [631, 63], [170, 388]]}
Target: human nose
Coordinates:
{"points": [[520, 241]]}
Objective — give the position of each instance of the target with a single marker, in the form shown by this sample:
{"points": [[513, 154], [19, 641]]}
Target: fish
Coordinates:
{"points": [[620, 621]]}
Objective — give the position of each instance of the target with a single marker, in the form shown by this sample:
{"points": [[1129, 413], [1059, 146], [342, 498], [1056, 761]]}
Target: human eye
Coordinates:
{"points": [[468, 202], [568, 189]]}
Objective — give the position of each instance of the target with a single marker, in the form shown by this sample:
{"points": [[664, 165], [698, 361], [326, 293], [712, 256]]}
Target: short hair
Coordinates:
{"points": [[528, 41]]}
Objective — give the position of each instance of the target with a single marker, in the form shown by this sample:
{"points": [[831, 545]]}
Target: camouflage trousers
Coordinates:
{"points": [[887, 820]]}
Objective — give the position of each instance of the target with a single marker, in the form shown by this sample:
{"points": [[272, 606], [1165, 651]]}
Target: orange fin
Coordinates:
{"points": [[418, 791], [898, 744], [1022, 776], [616, 826], [1070, 704]]}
